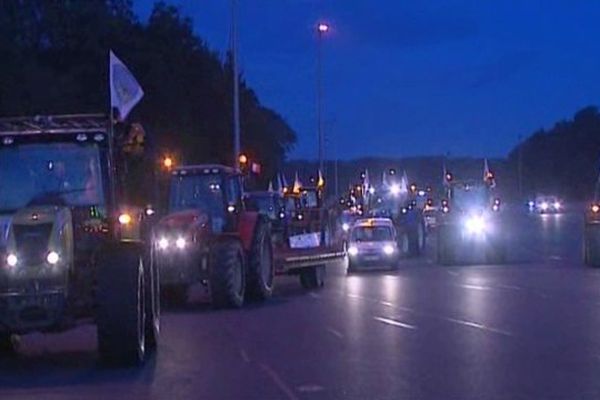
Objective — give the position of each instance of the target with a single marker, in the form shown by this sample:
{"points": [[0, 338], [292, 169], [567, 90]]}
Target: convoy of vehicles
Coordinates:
{"points": [[470, 221], [546, 205], [72, 250], [372, 243]]}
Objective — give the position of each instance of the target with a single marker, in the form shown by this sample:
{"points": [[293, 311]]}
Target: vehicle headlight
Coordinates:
{"points": [[353, 250], [345, 227], [475, 224], [180, 243], [12, 260], [544, 206], [395, 189], [557, 205], [163, 243], [388, 249], [53, 258]]}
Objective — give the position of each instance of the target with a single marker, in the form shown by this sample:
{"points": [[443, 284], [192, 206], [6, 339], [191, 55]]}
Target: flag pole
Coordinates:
{"points": [[236, 88]]}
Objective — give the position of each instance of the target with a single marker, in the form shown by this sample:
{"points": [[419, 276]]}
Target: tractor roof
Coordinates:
{"points": [[205, 169], [54, 124]]}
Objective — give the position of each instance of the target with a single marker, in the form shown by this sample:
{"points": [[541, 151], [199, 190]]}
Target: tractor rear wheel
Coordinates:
{"points": [[260, 263], [227, 277]]}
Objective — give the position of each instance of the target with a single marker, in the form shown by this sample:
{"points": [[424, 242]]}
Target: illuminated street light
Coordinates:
{"points": [[168, 162]]}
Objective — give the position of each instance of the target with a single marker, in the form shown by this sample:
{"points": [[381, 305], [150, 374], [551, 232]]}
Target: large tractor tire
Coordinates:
{"points": [[446, 246], [7, 347], [591, 245], [152, 290], [312, 277], [416, 238], [261, 271], [227, 276], [121, 305]]}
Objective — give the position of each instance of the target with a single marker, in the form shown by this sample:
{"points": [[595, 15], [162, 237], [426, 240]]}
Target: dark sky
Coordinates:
{"points": [[414, 77]]}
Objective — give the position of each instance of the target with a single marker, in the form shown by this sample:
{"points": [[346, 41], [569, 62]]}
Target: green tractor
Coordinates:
{"points": [[71, 251]]}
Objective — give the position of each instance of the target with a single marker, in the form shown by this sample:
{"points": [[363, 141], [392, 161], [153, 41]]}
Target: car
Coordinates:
{"points": [[72, 250], [373, 244], [548, 205]]}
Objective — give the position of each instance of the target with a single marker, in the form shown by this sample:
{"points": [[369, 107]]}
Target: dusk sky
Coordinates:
{"points": [[406, 78]]}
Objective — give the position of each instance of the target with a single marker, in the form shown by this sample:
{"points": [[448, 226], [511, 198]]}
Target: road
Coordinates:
{"points": [[526, 330]]}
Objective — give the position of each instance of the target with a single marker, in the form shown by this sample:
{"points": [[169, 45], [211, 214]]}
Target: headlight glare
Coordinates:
{"points": [[12, 260], [475, 224], [180, 243], [52, 258], [163, 243], [388, 249], [345, 227], [353, 251]]}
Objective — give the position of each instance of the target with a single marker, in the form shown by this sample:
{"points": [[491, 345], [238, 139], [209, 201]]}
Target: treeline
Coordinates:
{"points": [[564, 159], [55, 56]]}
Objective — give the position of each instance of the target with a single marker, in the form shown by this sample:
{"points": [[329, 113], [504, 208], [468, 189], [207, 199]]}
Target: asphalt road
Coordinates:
{"points": [[526, 330]]}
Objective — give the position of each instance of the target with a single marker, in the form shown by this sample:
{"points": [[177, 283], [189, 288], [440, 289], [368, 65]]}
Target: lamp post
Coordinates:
{"points": [[322, 29], [236, 86]]}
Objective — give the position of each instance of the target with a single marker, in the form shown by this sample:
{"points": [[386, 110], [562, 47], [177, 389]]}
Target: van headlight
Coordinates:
{"points": [[353, 251], [388, 249], [180, 243], [345, 227]]}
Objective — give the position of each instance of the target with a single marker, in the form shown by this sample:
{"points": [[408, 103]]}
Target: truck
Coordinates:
{"points": [[72, 251]]}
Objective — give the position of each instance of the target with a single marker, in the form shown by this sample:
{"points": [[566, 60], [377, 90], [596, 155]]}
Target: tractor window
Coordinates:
{"points": [[50, 173], [310, 199], [202, 192], [263, 204], [234, 193]]}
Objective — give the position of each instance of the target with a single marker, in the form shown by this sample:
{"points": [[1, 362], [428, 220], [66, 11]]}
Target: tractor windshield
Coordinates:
{"points": [[310, 199], [202, 192], [469, 197], [50, 173], [263, 204]]}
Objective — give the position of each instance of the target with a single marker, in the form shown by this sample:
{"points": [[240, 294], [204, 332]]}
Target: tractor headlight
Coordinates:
{"points": [[476, 224], [180, 243], [163, 243], [353, 250], [52, 258], [544, 206], [12, 260], [345, 227], [388, 249], [557, 205]]}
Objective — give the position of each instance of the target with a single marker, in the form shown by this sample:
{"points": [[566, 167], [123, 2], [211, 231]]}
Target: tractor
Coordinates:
{"points": [[71, 250], [208, 236]]}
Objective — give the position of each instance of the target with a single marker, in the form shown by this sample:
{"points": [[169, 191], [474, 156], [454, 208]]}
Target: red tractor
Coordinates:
{"points": [[208, 236]]}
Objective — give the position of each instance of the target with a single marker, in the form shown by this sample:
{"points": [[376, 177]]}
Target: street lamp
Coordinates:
{"points": [[322, 29]]}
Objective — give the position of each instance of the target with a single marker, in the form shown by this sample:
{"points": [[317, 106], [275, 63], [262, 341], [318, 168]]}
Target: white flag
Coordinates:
{"points": [[125, 91]]}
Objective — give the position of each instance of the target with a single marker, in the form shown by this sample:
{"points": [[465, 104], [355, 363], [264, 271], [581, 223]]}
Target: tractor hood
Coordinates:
{"points": [[32, 232], [182, 221]]}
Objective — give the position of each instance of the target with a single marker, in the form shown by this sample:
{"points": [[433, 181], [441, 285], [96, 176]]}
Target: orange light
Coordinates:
{"points": [[168, 162], [124, 219], [243, 159]]}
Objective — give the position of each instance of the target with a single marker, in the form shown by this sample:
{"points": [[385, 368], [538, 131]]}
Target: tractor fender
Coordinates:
{"points": [[246, 226]]}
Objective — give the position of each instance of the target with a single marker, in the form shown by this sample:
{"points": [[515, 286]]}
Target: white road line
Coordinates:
{"points": [[356, 296], [335, 333], [244, 356], [310, 388], [394, 323], [279, 382], [386, 303], [475, 287], [314, 295], [478, 326], [452, 272]]}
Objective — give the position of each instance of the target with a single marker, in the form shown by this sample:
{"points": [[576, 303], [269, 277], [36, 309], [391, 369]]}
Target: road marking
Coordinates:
{"points": [[314, 295], [244, 355], [335, 333], [386, 303], [556, 258], [310, 388], [279, 382], [513, 287], [356, 296], [475, 287], [394, 323], [478, 326], [452, 272]]}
